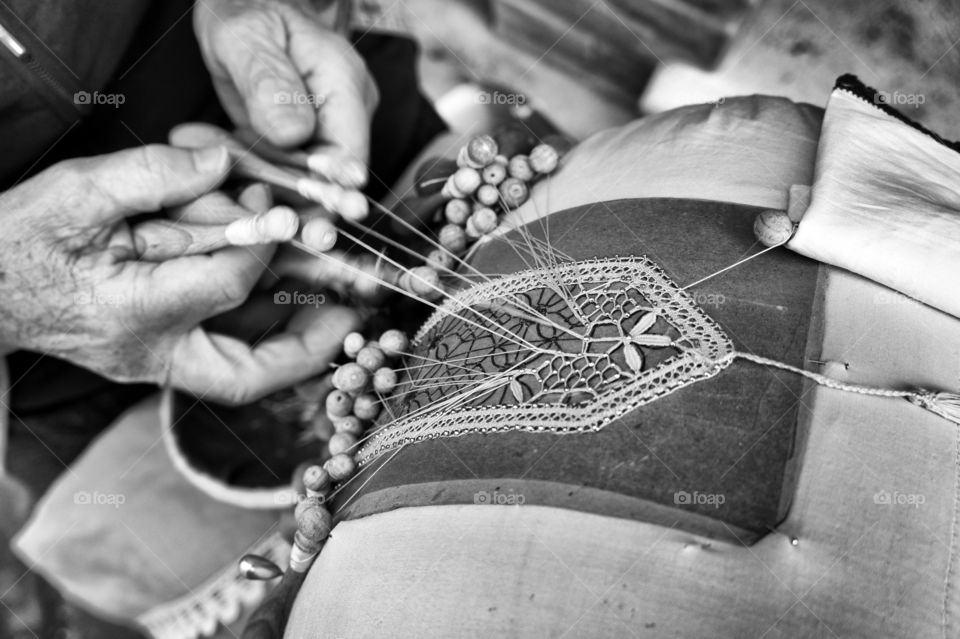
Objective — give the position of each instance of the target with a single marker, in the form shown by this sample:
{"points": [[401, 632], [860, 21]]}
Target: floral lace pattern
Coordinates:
{"points": [[560, 349]]}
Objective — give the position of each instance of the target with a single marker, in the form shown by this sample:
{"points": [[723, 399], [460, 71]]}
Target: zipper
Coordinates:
{"points": [[59, 96]]}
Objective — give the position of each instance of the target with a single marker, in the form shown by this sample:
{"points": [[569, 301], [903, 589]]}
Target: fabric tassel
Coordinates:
{"points": [[946, 405]]}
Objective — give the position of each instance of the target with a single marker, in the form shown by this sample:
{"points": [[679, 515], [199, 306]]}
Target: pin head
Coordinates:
{"points": [[258, 568]]}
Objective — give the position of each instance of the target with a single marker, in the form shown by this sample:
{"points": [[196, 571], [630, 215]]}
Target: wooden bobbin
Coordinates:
{"points": [[371, 357], [440, 260], [514, 192], [487, 194], [484, 220], [456, 211], [352, 344], [519, 167], [367, 406], [394, 342], [340, 467], [452, 238], [339, 404], [341, 443], [384, 380], [494, 173], [351, 377], [350, 424]]}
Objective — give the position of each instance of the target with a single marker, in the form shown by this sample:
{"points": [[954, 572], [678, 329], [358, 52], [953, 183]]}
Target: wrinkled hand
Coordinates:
{"points": [[74, 281], [279, 71]]}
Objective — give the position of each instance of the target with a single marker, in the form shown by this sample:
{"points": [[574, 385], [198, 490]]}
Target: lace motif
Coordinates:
{"points": [[561, 349]]}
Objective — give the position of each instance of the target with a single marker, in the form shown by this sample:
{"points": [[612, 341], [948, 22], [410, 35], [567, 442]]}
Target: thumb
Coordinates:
{"points": [[147, 179]]}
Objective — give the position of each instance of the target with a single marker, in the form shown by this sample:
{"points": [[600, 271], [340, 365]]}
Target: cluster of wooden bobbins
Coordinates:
{"points": [[360, 388], [491, 175]]}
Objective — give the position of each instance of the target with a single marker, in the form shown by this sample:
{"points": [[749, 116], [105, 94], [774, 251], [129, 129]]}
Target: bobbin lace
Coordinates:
{"points": [[561, 349]]}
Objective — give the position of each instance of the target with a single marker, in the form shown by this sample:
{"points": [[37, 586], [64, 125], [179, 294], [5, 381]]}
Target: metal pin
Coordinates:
{"points": [[257, 568]]}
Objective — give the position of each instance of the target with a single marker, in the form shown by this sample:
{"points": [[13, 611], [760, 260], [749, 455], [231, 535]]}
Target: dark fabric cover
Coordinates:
{"points": [[734, 434]]}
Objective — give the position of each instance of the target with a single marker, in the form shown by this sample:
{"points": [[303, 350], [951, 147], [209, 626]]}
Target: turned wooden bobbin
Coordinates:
{"points": [[439, 260], [385, 380], [494, 173], [422, 281], [341, 443], [484, 220], [350, 424], [514, 192], [339, 404], [519, 167], [456, 211], [340, 467], [352, 344], [462, 183], [366, 406], [488, 195], [316, 480], [371, 357], [452, 238], [351, 378]]}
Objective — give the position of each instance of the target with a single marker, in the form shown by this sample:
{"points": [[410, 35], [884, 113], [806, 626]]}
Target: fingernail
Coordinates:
{"points": [[212, 159]]}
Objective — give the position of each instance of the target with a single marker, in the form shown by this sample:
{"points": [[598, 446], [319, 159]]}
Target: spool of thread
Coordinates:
{"points": [[338, 404], [519, 167], [394, 342], [456, 211], [366, 406], [452, 238], [340, 467], [773, 228], [514, 192], [544, 158], [351, 378], [384, 380], [371, 357], [352, 344]]}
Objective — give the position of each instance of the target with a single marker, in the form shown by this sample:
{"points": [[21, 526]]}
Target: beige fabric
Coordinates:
{"points": [[860, 568], [885, 203]]}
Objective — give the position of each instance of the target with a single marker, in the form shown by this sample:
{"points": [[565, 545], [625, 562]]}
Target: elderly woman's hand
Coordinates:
{"points": [[280, 72], [78, 282]]}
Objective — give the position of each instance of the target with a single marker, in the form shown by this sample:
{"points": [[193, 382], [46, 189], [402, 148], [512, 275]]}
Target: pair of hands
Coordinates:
{"points": [[79, 281]]}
